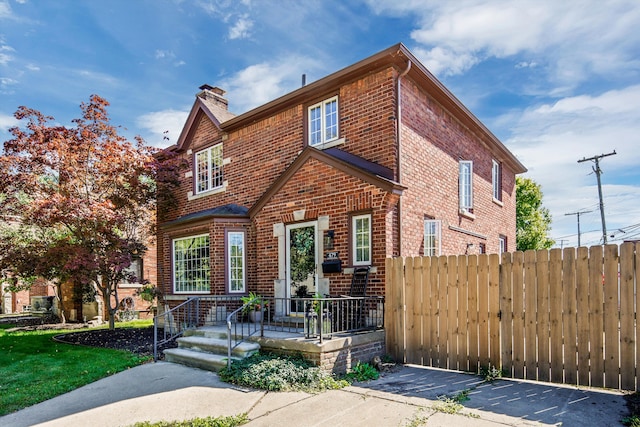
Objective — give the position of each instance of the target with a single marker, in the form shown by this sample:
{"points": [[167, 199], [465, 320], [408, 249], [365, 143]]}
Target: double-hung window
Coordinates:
{"points": [[323, 122], [431, 237], [465, 185], [208, 165], [361, 231], [236, 262], [496, 179], [191, 265]]}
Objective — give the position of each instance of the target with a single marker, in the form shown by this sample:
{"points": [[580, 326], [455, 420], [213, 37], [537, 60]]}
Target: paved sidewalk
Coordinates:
{"points": [[167, 391]]}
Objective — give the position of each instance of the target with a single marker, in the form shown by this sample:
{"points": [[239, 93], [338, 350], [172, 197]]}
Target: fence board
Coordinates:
{"points": [[636, 270], [442, 311], [427, 313], [452, 312], [472, 316], [494, 309], [530, 318], [555, 314], [506, 310], [627, 333], [542, 327], [518, 315], [611, 318], [463, 297], [596, 315], [582, 291], [413, 301], [435, 297], [569, 322], [483, 309]]}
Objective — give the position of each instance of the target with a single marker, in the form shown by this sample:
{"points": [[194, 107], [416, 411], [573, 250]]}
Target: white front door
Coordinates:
{"points": [[302, 261]]}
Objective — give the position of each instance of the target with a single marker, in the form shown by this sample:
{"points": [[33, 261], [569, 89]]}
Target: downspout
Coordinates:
{"points": [[399, 148]]}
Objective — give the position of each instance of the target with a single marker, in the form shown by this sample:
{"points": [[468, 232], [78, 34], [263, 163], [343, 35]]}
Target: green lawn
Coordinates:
{"points": [[34, 368]]}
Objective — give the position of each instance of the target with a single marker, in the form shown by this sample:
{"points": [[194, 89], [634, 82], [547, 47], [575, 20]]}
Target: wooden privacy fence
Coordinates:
{"points": [[564, 316]]}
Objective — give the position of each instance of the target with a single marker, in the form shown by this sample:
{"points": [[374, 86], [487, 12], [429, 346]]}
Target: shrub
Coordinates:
{"points": [[267, 371], [362, 372]]}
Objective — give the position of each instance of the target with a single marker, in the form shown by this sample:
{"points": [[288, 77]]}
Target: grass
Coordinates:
{"points": [[34, 368], [231, 421]]}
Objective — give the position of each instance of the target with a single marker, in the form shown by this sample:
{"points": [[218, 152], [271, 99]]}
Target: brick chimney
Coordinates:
{"points": [[214, 94]]}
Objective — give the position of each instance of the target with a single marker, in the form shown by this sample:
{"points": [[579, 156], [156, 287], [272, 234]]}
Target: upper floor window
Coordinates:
{"points": [[191, 266], [208, 169], [361, 231], [496, 179], [236, 262], [323, 122], [465, 185], [431, 237]]}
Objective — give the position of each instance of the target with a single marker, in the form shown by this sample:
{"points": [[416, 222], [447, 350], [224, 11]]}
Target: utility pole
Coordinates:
{"points": [[578, 215], [598, 171]]}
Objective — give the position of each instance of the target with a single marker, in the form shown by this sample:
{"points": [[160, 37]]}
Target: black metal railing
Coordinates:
{"points": [[313, 318]]}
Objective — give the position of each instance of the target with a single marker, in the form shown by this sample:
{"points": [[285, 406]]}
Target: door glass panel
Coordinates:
{"points": [[302, 262]]}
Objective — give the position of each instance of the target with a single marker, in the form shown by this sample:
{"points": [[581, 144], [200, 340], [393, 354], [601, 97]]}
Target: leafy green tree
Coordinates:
{"points": [[533, 221], [84, 197]]}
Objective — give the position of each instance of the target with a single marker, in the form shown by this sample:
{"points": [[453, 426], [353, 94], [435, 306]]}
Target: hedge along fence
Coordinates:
{"points": [[563, 316]]}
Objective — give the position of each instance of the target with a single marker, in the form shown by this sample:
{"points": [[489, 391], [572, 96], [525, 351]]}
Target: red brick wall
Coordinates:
{"points": [[433, 142]]}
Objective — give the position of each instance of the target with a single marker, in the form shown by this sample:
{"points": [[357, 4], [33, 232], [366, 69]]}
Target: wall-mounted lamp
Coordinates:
{"points": [[469, 246]]}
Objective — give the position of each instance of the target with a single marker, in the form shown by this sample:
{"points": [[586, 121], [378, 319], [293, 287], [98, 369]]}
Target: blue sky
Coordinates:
{"points": [[556, 81]]}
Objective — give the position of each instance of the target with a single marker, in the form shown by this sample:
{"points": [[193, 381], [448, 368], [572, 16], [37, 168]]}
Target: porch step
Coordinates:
{"points": [[206, 348], [204, 344], [196, 359]]}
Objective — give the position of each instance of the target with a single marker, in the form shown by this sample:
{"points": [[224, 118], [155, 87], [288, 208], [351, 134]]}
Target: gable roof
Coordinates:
{"points": [[398, 56], [355, 166]]}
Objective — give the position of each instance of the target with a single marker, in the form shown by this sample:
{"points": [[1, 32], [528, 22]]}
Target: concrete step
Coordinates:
{"points": [[196, 359], [217, 346]]}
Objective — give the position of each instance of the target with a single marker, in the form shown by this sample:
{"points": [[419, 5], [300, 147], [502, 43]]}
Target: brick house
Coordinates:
{"points": [[374, 161]]}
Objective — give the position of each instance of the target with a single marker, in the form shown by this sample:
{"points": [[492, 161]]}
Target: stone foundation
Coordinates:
{"points": [[337, 355]]}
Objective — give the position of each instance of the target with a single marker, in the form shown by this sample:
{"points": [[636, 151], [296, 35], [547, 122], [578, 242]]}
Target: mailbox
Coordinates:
{"points": [[332, 263]]}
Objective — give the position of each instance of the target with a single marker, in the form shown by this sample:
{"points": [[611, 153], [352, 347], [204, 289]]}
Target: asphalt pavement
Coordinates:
{"points": [[410, 395]]}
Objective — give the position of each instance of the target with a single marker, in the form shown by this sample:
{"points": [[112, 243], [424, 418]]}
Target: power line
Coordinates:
{"points": [[598, 171], [577, 214]]}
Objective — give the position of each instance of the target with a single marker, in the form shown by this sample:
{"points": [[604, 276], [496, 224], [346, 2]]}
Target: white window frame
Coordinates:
{"points": [[202, 284], [328, 129], [213, 176], [465, 185], [432, 234], [496, 180], [502, 243], [232, 258], [359, 247]]}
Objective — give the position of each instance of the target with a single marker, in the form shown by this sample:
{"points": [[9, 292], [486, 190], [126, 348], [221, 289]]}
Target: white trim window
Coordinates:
{"points": [[323, 122], [191, 264], [503, 243], [432, 231], [208, 169], [361, 231], [236, 262], [465, 185], [496, 180]]}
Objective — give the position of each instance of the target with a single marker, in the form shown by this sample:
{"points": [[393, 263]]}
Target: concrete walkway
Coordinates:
{"points": [[167, 391]]}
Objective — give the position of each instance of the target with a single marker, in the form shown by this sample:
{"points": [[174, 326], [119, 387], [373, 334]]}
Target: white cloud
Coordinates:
{"points": [[5, 10], [241, 29], [550, 139], [261, 83], [6, 122], [457, 35], [158, 122]]}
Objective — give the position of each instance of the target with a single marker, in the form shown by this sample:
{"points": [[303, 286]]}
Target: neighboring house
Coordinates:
{"points": [[374, 161]]}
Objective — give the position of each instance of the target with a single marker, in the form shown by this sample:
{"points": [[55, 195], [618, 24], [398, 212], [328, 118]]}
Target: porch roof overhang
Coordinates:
{"points": [[350, 164], [225, 211]]}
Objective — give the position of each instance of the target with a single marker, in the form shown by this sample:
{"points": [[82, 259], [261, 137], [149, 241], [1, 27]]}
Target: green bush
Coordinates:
{"points": [[267, 371], [362, 372]]}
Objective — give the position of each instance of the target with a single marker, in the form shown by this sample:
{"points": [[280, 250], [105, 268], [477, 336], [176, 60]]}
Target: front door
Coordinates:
{"points": [[302, 262]]}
